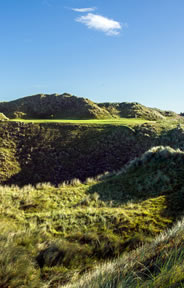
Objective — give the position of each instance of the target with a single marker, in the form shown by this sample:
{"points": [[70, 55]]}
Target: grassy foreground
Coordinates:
{"points": [[51, 236], [156, 265], [62, 232]]}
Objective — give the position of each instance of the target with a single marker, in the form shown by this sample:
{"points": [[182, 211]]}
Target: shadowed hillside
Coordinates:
{"points": [[157, 172], [42, 152]]}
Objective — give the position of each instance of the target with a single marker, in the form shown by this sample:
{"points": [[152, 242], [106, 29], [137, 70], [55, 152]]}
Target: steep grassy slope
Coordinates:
{"points": [[76, 151], [44, 106], [65, 231], [9, 163], [70, 151]]}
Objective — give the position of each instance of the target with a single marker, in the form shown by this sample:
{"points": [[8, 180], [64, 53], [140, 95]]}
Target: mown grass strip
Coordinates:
{"points": [[118, 121]]}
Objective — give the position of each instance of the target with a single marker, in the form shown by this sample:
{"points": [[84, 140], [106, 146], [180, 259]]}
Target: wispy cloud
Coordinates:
{"points": [[84, 10], [94, 21]]}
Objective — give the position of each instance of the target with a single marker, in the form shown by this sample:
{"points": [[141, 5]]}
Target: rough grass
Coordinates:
{"points": [[62, 232], [66, 232], [8, 162], [159, 264], [158, 172]]}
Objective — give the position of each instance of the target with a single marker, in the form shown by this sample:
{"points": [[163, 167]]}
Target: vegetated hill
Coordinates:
{"points": [[54, 152], [55, 234], [135, 110], [66, 106], [55, 106]]}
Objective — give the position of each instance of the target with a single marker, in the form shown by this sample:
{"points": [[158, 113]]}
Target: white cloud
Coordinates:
{"points": [[101, 23], [84, 10]]}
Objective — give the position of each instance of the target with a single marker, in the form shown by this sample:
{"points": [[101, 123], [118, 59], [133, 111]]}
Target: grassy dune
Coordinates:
{"points": [[51, 236]]}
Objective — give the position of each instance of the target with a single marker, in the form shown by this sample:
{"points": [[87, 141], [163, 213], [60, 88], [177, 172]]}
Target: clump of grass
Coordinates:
{"points": [[75, 182], [17, 267]]}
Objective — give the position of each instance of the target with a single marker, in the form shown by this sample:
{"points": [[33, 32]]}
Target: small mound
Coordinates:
{"points": [[132, 110], [166, 113], [157, 172], [3, 117]]}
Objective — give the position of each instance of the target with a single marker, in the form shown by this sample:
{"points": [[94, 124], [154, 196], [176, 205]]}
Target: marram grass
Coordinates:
{"points": [[158, 264], [51, 236]]}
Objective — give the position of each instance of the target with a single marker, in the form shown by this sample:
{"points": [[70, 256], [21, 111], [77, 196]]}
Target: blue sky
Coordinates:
{"points": [[113, 50]]}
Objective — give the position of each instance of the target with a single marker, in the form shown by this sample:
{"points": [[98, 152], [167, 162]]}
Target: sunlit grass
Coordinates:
{"points": [[53, 235], [68, 231], [159, 264], [115, 121]]}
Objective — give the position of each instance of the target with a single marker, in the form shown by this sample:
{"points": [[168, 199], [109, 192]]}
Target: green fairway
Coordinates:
{"points": [[117, 121]]}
